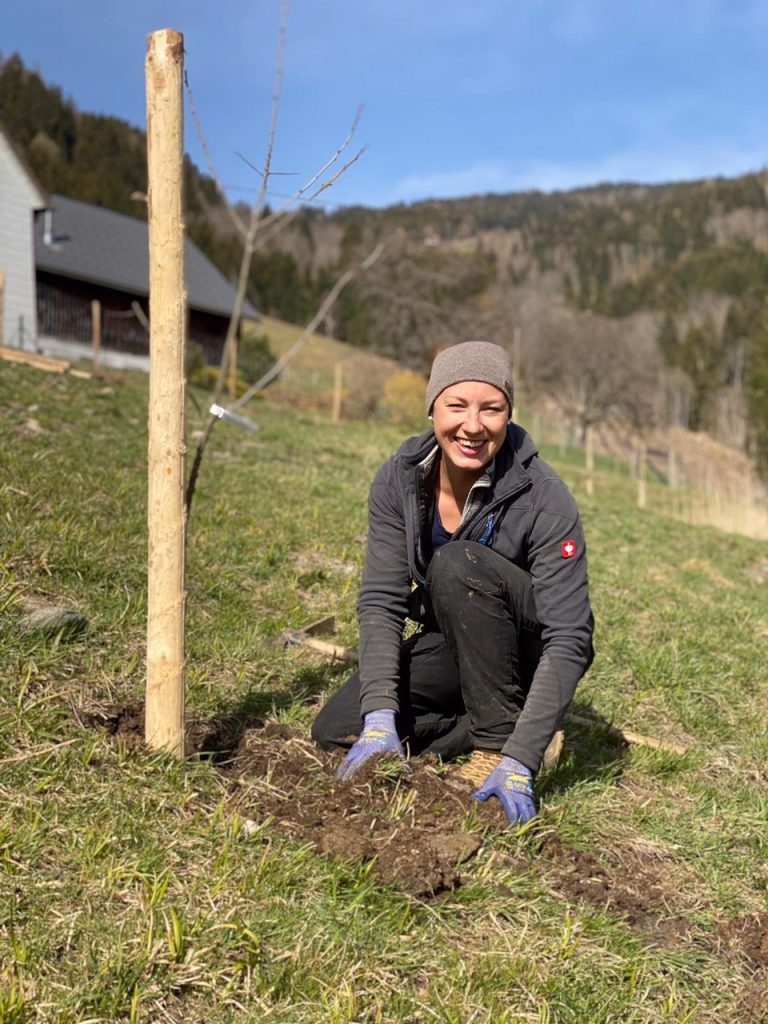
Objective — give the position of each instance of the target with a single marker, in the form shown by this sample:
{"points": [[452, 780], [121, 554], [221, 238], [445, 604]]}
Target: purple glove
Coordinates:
{"points": [[378, 737], [512, 783]]}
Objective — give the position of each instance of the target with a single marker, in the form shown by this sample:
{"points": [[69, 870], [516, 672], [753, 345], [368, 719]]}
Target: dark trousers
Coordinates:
{"points": [[463, 685]]}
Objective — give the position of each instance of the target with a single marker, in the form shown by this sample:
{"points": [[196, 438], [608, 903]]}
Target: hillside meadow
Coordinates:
{"points": [[134, 888]]}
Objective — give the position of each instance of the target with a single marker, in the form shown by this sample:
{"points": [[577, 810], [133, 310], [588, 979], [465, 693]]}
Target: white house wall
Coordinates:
{"points": [[18, 201]]}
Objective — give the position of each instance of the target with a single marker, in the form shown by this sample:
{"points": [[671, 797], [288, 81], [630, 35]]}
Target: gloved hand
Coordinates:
{"points": [[512, 783], [378, 737]]}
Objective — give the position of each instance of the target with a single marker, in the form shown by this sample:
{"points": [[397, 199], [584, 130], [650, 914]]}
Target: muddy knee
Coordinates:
{"points": [[456, 568]]}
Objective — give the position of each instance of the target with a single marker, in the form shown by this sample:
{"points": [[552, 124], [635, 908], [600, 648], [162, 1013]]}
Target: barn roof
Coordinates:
{"points": [[90, 243]]}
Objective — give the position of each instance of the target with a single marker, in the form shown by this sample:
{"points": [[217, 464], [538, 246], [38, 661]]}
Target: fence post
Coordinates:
{"points": [[590, 455], [671, 468], [2, 304], [517, 370], [338, 379], [96, 333], [167, 300], [642, 464]]}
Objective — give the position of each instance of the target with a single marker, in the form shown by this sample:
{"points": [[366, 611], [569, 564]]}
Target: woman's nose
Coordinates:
{"points": [[472, 421]]}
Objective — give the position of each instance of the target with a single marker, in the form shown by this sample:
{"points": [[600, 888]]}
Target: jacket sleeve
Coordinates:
{"points": [[558, 566], [383, 602]]}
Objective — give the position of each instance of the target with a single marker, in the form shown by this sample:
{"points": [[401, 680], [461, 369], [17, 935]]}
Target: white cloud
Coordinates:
{"points": [[718, 158]]}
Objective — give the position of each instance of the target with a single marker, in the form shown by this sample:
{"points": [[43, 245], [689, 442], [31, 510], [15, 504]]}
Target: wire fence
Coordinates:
{"points": [[673, 472]]}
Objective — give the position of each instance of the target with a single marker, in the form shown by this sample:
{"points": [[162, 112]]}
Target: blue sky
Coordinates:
{"points": [[460, 96]]}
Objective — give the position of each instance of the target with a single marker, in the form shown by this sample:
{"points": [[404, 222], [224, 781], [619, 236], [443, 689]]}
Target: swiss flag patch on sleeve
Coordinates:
{"points": [[568, 548]]}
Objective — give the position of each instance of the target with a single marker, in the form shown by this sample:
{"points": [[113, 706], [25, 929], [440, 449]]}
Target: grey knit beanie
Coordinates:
{"points": [[470, 360]]}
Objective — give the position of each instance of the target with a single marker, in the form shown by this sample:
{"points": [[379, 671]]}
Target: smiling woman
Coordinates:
{"points": [[476, 538], [470, 423]]}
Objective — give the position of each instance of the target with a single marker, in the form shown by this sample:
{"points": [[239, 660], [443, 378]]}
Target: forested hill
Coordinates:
{"points": [[101, 160], [649, 301]]}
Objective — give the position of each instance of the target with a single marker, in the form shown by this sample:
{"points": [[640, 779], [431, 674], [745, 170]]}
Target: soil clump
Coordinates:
{"points": [[410, 823]]}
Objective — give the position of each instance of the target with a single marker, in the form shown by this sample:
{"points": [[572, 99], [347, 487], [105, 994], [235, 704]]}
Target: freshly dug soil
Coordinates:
{"points": [[417, 827], [634, 891], [412, 824], [747, 938]]}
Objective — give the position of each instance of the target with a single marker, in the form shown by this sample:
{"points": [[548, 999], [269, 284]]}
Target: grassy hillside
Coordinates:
{"points": [[132, 888], [309, 379]]}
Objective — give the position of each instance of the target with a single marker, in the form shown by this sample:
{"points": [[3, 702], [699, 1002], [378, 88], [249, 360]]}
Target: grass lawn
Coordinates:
{"points": [[133, 888]]}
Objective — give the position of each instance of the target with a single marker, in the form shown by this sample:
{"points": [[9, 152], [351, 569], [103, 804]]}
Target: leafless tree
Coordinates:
{"points": [[257, 231], [595, 368]]}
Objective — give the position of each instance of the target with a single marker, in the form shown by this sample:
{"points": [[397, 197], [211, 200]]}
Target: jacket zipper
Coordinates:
{"points": [[491, 507], [488, 531]]}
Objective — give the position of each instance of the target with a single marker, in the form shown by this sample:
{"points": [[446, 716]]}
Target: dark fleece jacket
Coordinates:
{"points": [[527, 514]]}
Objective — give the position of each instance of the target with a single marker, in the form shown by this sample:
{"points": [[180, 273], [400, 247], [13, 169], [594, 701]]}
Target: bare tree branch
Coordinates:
{"points": [[260, 384], [234, 216], [253, 225], [338, 174], [284, 217], [273, 174], [329, 163], [309, 330]]}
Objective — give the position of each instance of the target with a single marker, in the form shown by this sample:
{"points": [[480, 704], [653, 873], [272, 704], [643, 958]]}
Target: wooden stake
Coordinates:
{"points": [[517, 370], [96, 333], [642, 465], [338, 379], [2, 304], [671, 468], [167, 317], [14, 355], [590, 455]]}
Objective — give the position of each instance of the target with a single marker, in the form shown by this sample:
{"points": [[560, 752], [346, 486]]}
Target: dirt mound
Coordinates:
{"points": [[412, 824], [752, 1007], [126, 722], [416, 826], [638, 893], [746, 937]]}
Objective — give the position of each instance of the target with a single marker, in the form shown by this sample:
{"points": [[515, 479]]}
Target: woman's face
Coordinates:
{"points": [[470, 421]]}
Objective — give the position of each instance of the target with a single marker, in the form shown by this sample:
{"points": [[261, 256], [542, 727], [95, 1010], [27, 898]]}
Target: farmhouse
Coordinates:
{"points": [[20, 200], [61, 256]]}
